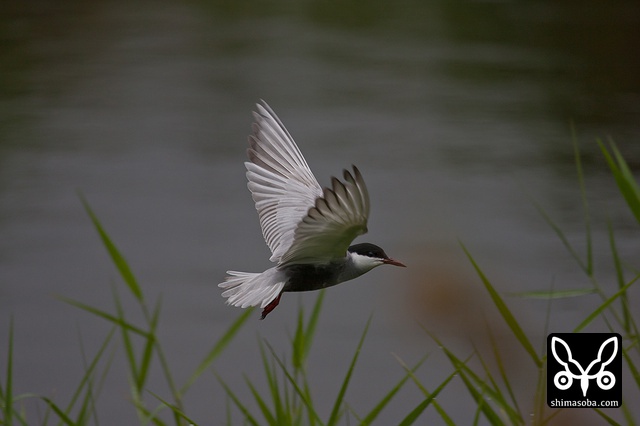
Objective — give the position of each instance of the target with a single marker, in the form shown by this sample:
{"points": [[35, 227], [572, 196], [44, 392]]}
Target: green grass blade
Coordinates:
{"points": [[505, 312], [632, 367], [102, 314], [302, 348], [61, 414], [126, 342], [178, 413], [554, 294], [626, 314], [116, 257], [311, 421], [626, 412], [245, 411], [333, 419], [623, 177], [228, 411], [86, 380], [146, 416], [154, 344], [563, 238], [585, 204], [303, 337], [136, 386], [416, 412], [274, 388], [298, 343], [262, 404], [469, 377], [443, 414], [20, 415], [494, 392], [373, 414], [147, 353], [313, 323], [479, 397], [301, 344], [505, 378], [606, 418], [296, 387], [539, 404], [8, 389], [217, 349], [595, 314]]}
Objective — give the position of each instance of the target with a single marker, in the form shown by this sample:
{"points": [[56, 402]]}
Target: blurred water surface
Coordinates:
{"points": [[457, 113]]}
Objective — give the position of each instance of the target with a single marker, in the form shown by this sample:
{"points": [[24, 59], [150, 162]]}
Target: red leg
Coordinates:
{"points": [[271, 306]]}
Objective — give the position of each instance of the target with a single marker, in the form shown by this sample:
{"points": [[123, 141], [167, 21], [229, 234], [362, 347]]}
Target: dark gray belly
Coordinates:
{"points": [[311, 277]]}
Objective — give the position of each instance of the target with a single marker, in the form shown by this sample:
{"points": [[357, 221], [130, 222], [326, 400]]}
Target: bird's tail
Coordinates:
{"points": [[244, 289]]}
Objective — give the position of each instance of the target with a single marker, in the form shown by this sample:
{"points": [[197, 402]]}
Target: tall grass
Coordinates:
{"points": [[289, 399]]}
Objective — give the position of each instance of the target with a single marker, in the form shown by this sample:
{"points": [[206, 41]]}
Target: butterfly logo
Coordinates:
{"points": [[564, 379]]}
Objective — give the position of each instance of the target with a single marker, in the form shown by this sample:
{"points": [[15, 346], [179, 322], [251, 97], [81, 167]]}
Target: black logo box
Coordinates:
{"points": [[588, 363]]}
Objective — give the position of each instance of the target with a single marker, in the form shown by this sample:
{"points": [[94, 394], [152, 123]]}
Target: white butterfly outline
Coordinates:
{"points": [[584, 377]]}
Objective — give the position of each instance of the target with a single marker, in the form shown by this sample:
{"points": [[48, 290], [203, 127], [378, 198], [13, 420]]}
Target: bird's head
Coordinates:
{"points": [[367, 256]]}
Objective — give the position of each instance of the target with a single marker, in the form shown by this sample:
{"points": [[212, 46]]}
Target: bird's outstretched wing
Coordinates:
{"points": [[281, 183], [330, 226], [301, 222]]}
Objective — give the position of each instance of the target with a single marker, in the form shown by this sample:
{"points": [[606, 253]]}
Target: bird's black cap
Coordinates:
{"points": [[374, 252], [369, 250]]}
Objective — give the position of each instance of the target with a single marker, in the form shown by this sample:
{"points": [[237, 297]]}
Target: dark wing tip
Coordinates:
{"points": [[346, 175], [357, 174]]}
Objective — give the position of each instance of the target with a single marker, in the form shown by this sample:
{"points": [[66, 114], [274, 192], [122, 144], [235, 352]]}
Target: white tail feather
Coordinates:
{"points": [[244, 289]]}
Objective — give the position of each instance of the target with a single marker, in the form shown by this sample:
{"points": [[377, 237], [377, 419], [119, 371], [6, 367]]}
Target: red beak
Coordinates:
{"points": [[393, 262]]}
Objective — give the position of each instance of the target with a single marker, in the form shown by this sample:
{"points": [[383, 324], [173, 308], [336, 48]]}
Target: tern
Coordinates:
{"points": [[308, 228]]}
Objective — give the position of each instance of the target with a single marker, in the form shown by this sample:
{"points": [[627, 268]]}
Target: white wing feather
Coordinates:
{"points": [[281, 183]]}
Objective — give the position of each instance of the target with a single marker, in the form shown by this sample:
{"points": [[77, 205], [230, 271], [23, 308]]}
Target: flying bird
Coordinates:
{"points": [[308, 228]]}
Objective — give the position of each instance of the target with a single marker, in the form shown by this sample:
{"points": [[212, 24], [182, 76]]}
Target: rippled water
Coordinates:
{"points": [[458, 114]]}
